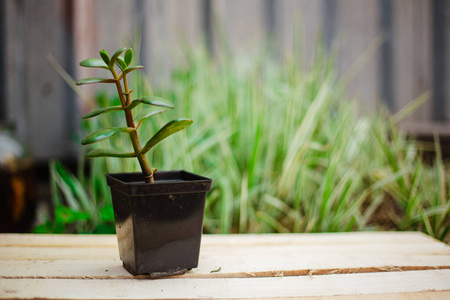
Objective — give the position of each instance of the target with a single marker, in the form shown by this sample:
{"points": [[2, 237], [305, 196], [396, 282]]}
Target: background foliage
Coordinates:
{"points": [[287, 152]]}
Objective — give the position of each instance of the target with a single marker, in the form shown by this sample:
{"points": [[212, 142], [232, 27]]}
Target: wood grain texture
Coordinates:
{"points": [[373, 264], [188, 288]]}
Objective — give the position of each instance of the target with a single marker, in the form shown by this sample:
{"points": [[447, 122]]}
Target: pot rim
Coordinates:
{"points": [[166, 182]]}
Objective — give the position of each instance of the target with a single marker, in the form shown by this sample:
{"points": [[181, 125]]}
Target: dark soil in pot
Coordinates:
{"points": [[159, 225]]}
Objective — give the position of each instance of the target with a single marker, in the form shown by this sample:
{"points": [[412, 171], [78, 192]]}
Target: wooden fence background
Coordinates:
{"points": [[388, 50]]}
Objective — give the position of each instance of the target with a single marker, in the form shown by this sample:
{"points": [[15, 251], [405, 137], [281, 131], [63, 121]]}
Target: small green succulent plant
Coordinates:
{"points": [[119, 78]]}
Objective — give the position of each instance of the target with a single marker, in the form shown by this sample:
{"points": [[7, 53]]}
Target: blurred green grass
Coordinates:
{"points": [[287, 150]]}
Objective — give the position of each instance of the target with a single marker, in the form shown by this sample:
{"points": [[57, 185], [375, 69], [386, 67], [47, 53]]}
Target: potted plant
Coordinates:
{"points": [[158, 215]]}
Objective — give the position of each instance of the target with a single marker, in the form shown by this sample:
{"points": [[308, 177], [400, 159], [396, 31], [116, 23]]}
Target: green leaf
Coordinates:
{"points": [[146, 114], [104, 133], [133, 68], [115, 56], [149, 100], [104, 55], [108, 153], [94, 63], [128, 56], [95, 80], [101, 111], [122, 65], [168, 129]]}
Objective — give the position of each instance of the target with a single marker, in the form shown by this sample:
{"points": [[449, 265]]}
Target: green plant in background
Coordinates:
{"points": [[81, 204], [418, 192], [288, 151], [127, 105]]}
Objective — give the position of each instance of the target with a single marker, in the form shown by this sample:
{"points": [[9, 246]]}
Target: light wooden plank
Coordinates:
{"points": [[87, 240], [228, 266], [49, 253], [85, 246], [361, 237], [299, 286], [58, 240], [235, 255]]}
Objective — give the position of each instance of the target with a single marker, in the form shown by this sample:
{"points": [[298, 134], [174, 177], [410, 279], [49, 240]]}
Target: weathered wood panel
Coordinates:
{"points": [[447, 62], [168, 26], [239, 25], [14, 65], [412, 54], [298, 25], [37, 96], [357, 40], [74, 30]]}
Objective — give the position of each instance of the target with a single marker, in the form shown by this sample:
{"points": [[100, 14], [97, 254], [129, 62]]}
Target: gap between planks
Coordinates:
{"points": [[120, 273], [259, 274]]}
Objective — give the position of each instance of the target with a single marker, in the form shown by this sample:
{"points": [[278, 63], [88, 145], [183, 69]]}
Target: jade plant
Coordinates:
{"points": [[120, 66]]}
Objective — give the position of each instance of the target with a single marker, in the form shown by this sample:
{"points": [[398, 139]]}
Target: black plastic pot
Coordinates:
{"points": [[159, 225]]}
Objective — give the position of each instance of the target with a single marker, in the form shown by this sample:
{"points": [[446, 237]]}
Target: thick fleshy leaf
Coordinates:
{"points": [[104, 55], [103, 134], [166, 131], [121, 63], [94, 63], [149, 100], [115, 56], [108, 153], [128, 56], [101, 111], [146, 114], [95, 80], [133, 69]]}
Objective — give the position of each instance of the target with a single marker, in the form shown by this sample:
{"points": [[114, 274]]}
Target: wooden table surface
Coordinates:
{"points": [[360, 265]]}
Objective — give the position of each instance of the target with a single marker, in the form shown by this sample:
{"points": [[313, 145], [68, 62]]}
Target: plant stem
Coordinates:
{"points": [[127, 91], [125, 100]]}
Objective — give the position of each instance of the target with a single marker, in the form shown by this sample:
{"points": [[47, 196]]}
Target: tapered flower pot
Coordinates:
{"points": [[159, 225]]}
